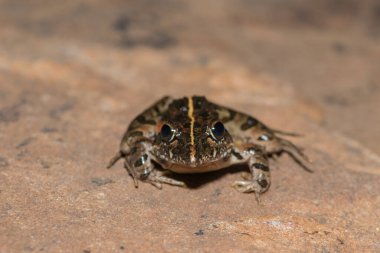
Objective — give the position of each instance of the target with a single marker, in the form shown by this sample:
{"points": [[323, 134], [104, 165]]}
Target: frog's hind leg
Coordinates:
{"points": [[294, 152], [274, 144], [280, 132]]}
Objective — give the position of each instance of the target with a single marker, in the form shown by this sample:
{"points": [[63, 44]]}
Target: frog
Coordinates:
{"points": [[194, 135]]}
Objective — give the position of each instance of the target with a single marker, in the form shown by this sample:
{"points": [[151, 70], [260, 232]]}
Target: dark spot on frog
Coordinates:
{"points": [[122, 247], [3, 162], [135, 134], [197, 125], [204, 114], [142, 120], [86, 251], [263, 183], [141, 160], [199, 232], [144, 176], [25, 142], [249, 123], [237, 155], [177, 150], [157, 110], [262, 167], [133, 150], [101, 181]]}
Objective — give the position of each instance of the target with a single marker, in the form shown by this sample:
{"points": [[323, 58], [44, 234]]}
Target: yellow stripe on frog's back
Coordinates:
{"points": [[190, 114]]}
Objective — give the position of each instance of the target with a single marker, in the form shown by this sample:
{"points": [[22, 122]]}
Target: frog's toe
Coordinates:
{"points": [[171, 181], [114, 159], [246, 186], [157, 179], [247, 176], [156, 184]]}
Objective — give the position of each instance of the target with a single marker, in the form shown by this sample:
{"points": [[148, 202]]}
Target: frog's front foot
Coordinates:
{"points": [[247, 186], [157, 178]]}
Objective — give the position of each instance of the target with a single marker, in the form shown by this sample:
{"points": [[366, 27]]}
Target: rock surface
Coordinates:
{"points": [[73, 74]]}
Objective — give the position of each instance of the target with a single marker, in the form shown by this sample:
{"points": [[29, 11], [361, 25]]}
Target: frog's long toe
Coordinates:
{"points": [[157, 179], [247, 186], [171, 181], [156, 184]]}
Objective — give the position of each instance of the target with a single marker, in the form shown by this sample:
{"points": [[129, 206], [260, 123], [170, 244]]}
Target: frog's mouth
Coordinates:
{"points": [[194, 167]]}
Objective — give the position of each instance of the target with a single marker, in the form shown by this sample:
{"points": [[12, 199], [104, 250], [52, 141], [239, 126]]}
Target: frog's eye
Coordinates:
{"points": [[167, 133], [217, 130]]}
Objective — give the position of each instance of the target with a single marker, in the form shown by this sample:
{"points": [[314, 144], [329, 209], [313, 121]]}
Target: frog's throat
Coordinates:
{"points": [[190, 114]]}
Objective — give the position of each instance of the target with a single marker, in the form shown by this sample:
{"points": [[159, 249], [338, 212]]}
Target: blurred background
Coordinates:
{"points": [[328, 50], [74, 73]]}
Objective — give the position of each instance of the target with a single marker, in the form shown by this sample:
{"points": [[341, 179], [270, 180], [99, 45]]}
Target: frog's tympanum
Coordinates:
{"points": [[194, 135]]}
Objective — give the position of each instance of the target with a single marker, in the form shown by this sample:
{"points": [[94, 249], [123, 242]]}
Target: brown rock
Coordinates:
{"points": [[73, 75]]}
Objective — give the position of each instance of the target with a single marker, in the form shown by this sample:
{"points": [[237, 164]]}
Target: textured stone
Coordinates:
{"points": [[73, 74]]}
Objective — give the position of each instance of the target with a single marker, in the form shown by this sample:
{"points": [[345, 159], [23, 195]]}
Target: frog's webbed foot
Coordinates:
{"points": [[246, 186], [139, 166]]}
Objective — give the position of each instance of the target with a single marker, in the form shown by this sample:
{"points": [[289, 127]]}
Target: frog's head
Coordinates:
{"points": [[191, 135]]}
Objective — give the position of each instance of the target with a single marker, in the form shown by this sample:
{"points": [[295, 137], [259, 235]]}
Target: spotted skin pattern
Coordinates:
{"points": [[194, 135]]}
